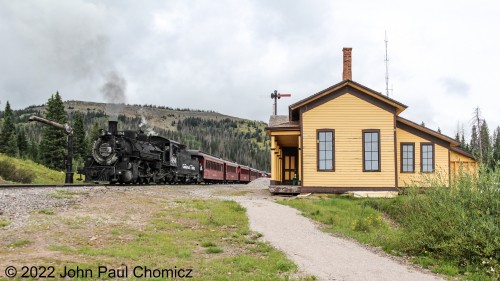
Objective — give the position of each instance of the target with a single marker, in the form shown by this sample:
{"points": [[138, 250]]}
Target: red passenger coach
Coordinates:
{"points": [[244, 174], [254, 174], [231, 170], [211, 167]]}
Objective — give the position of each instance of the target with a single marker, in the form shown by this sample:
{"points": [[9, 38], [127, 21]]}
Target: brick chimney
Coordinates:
{"points": [[347, 72]]}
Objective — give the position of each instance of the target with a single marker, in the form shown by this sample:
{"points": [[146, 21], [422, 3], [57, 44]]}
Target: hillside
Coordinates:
{"points": [[240, 140], [14, 170]]}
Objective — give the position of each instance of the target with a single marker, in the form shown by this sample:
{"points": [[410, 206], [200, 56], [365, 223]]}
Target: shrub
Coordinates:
{"points": [[459, 224], [10, 172]]}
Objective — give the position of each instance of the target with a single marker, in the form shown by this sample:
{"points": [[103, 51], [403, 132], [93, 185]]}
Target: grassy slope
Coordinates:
{"points": [[43, 174]]}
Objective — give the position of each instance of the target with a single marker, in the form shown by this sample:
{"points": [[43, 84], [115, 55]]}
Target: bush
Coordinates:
{"points": [[459, 224], [9, 172]]}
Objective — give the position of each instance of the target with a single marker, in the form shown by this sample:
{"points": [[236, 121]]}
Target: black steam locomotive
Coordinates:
{"points": [[132, 157]]}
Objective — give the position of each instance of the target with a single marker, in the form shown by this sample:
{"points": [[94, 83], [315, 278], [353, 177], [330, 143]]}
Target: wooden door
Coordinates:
{"points": [[290, 164]]}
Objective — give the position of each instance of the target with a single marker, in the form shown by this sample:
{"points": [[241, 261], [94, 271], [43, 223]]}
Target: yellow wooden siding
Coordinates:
{"points": [[459, 161], [440, 157], [348, 116]]}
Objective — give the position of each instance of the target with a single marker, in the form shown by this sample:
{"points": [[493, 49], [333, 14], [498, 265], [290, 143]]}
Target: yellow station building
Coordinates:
{"points": [[349, 137]]}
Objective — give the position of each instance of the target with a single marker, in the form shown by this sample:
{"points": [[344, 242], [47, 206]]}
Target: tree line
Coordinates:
{"points": [[484, 146], [48, 145]]}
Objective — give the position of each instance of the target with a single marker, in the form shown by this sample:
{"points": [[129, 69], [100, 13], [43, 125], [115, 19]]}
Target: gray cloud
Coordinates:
{"points": [[228, 56], [455, 86]]}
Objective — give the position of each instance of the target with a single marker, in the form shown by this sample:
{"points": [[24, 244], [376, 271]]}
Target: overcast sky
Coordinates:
{"points": [[229, 56]]}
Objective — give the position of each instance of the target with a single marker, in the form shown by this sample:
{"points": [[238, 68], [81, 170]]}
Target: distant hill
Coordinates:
{"points": [[240, 140]]}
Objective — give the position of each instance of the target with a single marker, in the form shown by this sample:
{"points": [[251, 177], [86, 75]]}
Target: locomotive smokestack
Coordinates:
{"points": [[113, 127]]}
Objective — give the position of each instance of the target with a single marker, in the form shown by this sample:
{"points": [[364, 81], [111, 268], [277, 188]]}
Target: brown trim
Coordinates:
{"points": [[462, 152], [347, 83], [328, 189], [346, 90], [363, 149], [396, 175], [274, 182], [301, 148], [333, 149], [423, 135], [433, 157], [449, 168], [401, 157], [274, 129], [443, 138]]}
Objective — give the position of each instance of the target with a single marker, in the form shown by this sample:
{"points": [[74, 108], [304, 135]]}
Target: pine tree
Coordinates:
{"points": [[8, 140], [463, 144], [474, 142], [94, 135], [496, 145], [52, 150], [33, 151], [486, 150], [79, 141], [22, 144]]}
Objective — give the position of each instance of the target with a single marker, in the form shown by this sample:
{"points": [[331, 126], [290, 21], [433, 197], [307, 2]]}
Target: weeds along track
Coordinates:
{"points": [[24, 186]]}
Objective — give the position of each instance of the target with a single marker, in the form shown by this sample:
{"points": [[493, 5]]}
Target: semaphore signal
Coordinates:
{"points": [[275, 95]]}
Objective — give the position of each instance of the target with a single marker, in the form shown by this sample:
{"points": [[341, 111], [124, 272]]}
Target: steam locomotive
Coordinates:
{"points": [[132, 157]]}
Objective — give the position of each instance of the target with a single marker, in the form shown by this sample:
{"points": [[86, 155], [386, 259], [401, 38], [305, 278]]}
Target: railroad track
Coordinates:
{"points": [[25, 186], [47, 185]]}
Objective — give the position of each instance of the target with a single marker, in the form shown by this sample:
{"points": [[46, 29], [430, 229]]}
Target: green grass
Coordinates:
{"points": [[450, 230], [350, 217], [42, 174], [4, 222], [214, 250], [63, 194], [20, 243], [190, 234], [46, 212]]}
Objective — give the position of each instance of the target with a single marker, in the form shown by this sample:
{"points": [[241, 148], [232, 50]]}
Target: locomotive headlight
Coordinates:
{"points": [[105, 149]]}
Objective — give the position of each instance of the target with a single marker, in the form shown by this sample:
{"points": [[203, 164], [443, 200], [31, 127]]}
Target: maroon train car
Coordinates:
{"points": [[254, 174], [244, 173], [211, 167], [231, 172]]}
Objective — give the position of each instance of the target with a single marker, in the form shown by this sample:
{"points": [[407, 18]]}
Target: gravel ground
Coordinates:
{"points": [[315, 252]]}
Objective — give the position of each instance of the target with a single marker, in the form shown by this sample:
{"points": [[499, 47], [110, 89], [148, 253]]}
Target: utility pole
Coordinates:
{"points": [[275, 95]]}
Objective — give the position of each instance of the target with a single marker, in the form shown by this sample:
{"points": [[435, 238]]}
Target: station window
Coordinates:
{"points": [[427, 157], [325, 148], [371, 150], [407, 157]]}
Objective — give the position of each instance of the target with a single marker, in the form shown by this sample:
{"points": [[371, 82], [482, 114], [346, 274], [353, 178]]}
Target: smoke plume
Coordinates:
{"points": [[144, 123], [114, 91]]}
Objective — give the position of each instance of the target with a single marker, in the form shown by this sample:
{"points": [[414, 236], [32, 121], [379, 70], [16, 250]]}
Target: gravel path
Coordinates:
{"points": [[318, 253]]}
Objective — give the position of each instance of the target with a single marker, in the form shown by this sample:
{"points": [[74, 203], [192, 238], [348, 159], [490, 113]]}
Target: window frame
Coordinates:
{"points": [[318, 152], [402, 157], [422, 144], [379, 152]]}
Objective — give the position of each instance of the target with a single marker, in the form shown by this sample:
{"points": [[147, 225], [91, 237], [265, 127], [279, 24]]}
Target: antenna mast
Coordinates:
{"points": [[386, 67]]}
